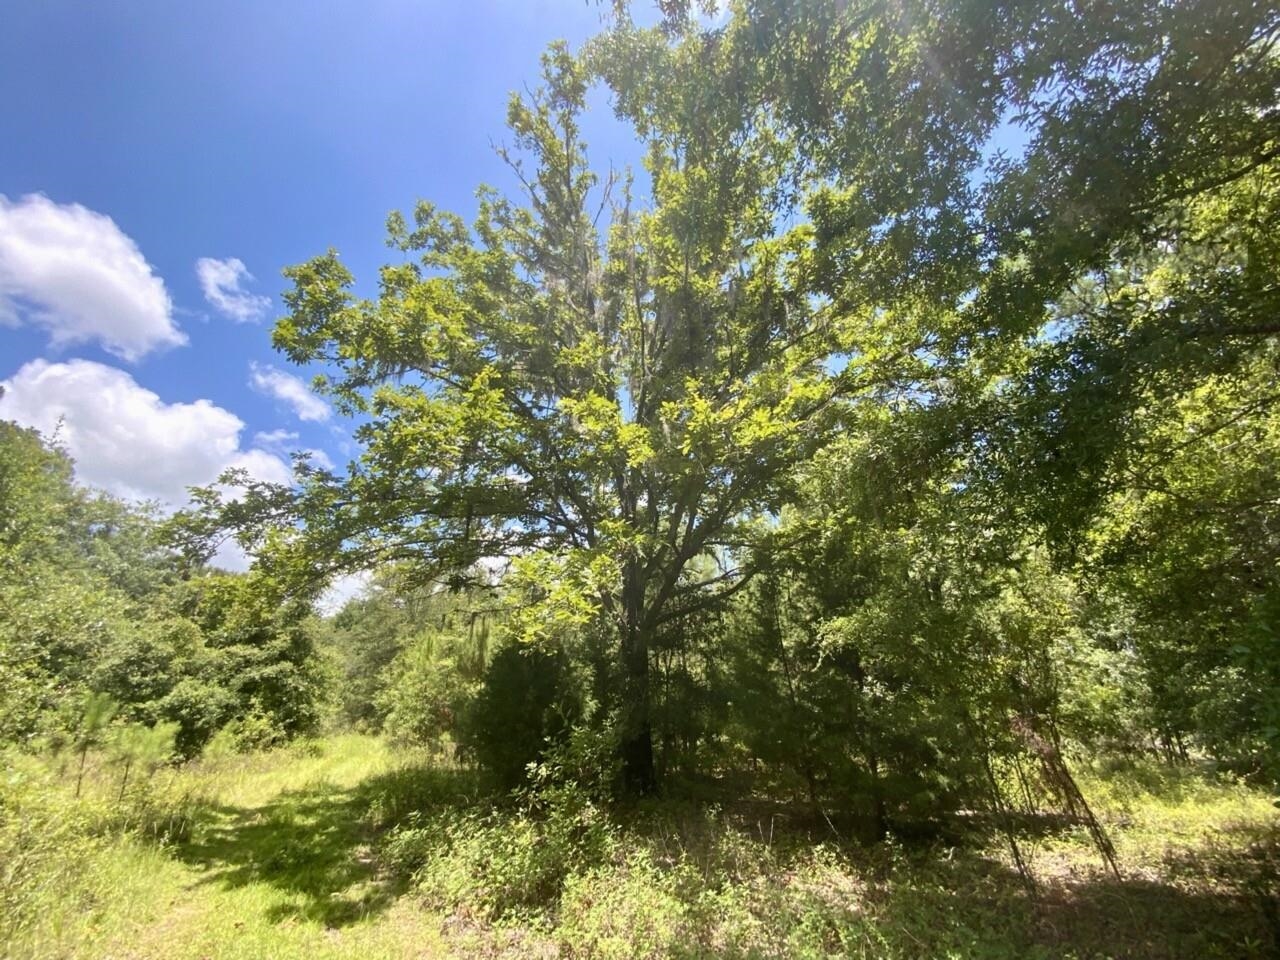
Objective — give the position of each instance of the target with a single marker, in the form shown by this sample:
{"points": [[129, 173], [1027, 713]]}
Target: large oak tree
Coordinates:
{"points": [[604, 390], [608, 380]]}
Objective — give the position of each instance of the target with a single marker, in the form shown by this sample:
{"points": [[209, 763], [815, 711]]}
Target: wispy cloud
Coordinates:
{"points": [[221, 281], [276, 439], [290, 390], [285, 444]]}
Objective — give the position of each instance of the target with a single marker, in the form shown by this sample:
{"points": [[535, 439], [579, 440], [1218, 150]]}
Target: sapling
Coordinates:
{"points": [[135, 745], [98, 710]]}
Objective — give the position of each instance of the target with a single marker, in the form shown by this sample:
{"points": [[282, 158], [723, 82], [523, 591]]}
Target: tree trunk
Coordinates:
{"points": [[639, 777]]}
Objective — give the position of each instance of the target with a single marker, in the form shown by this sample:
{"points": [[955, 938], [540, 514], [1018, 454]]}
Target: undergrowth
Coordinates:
{"points": [[343, 848], [1198, 857]]}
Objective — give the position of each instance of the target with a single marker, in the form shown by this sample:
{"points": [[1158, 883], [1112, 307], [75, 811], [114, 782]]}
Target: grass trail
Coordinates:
{"points": [[280, 867]]}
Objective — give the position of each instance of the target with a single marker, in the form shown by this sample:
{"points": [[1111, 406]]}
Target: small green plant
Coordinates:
{"points": [[95, 715], [509, 863], [635, 911], [134, 745]]}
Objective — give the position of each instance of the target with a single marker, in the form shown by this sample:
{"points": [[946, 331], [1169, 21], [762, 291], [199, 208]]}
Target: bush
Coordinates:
{"points": [[426, 693], [527, 702], [200, 709], [511, 863], [256, 730]]}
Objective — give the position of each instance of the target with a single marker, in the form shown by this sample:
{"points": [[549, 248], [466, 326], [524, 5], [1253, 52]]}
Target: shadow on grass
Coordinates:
{"points": [[316, 848], [973, 908], [316, 845], [1216, 899], [1141, 918], [1213, 899]]}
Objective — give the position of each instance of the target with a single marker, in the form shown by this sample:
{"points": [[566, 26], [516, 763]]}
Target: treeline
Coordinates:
{"points": [[101, 620]]}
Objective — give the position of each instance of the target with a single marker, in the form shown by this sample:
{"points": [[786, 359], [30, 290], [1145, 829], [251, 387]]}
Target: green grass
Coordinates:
{"points": [[278, 864], [347, 848]]}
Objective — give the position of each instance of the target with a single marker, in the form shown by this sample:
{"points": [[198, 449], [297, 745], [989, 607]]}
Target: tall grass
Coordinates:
{"points": [[344, 848]]}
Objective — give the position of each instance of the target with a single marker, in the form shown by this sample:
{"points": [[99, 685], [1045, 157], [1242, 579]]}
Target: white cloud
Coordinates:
{"points": [[319, 458], [263, 466], [220, 280], [73, 272], [289, 389], [125, 439]]}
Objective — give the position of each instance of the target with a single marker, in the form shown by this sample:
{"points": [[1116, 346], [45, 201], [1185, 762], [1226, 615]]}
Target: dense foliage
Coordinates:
{"points": [[93, 603], [900, 438], [916, 400]]}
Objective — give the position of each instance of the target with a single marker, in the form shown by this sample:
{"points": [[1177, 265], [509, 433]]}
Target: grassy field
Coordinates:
{"points": [[346, 848]]}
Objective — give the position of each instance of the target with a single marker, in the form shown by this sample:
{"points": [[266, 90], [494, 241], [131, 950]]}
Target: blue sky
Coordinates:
{"points": [[157, 134]]}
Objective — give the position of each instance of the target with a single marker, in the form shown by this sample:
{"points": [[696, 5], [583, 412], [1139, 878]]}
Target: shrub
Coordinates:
{"points": [[527, 702], [506, 863], [426, 693], [256, 730]]}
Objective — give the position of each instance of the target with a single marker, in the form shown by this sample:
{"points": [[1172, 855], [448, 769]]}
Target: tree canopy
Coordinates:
{"points": [[611, 386]]}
